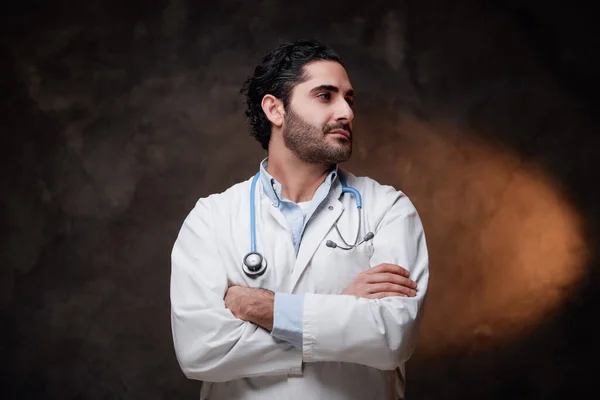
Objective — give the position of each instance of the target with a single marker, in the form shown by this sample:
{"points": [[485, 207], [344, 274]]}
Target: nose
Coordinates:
{"points": [[344, 112]]}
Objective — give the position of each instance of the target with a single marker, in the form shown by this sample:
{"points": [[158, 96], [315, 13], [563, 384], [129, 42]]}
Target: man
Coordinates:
{"points": [[281, 287]]}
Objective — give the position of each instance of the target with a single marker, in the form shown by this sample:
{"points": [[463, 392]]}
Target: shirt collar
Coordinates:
{"points": [[272, 188]]}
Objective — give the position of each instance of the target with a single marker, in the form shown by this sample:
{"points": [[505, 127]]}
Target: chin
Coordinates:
{"points": [[340, 142], [341, 157]]}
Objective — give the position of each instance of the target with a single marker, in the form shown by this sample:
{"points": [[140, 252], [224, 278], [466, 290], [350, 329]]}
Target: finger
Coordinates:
{"points": [[391, 278], [391, 287], [381, 295], [390, 268]]}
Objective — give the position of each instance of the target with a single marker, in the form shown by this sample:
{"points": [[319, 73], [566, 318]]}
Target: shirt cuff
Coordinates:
{"points": [[287, 318]]}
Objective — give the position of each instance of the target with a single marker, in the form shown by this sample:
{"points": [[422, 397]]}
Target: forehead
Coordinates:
{"points": [[331, 73]]}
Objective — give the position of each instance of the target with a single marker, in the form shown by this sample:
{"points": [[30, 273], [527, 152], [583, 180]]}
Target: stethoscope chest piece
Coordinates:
{"points": [[254, 264]]}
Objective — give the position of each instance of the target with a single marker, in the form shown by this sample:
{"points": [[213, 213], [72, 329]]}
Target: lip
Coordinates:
{"points": [[341, 132]]}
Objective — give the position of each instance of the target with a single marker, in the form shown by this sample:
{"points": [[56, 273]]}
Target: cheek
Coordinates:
{"points": [[318, 124], [317, 117]]}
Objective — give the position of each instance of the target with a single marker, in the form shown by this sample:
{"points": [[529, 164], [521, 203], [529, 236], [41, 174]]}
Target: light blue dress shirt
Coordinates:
{"points": [[288, 308]]}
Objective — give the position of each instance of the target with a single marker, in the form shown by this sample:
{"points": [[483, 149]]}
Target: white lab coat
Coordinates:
{"points": [[353, 348]]}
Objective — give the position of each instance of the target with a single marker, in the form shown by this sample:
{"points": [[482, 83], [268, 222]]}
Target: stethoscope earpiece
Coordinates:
{"points": [[334, 245]]}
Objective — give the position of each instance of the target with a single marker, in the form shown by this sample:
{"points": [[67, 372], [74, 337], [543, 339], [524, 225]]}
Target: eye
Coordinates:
{"points": [[324, 96], [350, 101]]}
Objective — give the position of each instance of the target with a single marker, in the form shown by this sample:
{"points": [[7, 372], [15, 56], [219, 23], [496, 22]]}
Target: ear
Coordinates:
{"points": [[273, 109]]}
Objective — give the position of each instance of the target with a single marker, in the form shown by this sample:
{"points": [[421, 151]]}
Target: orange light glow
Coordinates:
{"points": [[505, 246]]}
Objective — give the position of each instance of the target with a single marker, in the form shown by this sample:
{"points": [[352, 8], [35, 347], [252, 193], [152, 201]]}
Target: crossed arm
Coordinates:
{"points": [[372, 328], [257, 305]]}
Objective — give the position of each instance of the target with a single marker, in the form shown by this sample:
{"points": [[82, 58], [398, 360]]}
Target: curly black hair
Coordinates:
{"points": [[276, 74]]}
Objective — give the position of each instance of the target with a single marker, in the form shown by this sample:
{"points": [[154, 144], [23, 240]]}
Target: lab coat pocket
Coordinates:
{"points": [[336, 268]]}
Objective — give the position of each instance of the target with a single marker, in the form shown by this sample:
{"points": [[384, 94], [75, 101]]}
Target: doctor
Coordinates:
{"points": [[304, 281]]}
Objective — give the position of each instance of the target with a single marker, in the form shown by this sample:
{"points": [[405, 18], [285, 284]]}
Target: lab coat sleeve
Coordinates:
{"points": [[378, 333], [211, 344]]}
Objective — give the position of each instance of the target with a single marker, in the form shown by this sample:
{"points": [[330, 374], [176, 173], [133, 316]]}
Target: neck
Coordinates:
{"points": [[299, 180]]}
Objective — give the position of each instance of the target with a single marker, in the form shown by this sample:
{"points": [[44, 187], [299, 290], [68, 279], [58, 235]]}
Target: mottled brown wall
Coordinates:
{"points": [[116, 116]]}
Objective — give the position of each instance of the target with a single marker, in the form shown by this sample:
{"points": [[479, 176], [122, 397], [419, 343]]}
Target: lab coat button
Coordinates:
{"points": [[331, 207]]}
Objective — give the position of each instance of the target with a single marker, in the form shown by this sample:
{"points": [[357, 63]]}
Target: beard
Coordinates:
{"points": [[309, 143]]}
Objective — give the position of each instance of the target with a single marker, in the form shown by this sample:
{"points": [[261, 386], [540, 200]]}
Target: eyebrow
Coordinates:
{"points": [[331, 88]]}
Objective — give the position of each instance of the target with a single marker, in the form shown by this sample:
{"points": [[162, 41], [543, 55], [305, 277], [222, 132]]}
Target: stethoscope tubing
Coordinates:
{"points": [[248, 269]]}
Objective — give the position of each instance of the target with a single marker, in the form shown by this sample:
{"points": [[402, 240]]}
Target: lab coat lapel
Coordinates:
{"points": [[316, 230], [275, 213], [266, 204]]}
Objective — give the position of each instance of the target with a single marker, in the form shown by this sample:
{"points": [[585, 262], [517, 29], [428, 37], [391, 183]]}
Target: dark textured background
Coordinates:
{"points": [[116, 116]]}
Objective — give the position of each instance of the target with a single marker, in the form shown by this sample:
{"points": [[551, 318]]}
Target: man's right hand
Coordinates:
{"points": [[381, 281]]}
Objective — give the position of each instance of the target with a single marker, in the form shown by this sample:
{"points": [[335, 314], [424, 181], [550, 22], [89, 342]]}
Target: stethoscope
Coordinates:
{"points": [[254, 264]]}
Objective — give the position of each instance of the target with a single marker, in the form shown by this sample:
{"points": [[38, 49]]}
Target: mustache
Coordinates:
{"points": [[338, 125]]}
